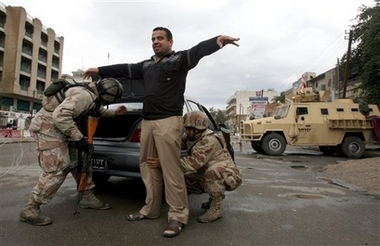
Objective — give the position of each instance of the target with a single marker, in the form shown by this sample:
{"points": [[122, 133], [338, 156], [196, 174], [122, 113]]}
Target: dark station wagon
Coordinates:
{"points": [[117, 140]]}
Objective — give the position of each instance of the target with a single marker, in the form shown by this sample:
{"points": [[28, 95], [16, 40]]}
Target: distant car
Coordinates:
{"points": [[117, 140]]}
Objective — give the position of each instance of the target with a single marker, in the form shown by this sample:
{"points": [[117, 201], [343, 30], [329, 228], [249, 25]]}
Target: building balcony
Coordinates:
{"points": [[231, 100]]}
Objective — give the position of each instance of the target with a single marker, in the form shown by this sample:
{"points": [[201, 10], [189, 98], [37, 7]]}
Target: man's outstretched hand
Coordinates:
{"points": [[223, 40], [89, 72]]}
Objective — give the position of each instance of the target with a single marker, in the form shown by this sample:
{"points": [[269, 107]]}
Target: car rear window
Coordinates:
{"points": [[131, 106]]}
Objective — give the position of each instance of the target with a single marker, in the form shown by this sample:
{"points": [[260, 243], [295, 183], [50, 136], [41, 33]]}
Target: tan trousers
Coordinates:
{"points": [[162, 139]]}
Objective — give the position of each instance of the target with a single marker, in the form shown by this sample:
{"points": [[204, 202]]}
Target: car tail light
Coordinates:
{"points": [[136, 134]]}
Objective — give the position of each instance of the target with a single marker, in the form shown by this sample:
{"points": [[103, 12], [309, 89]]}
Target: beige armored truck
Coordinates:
{"points": [[341, 126]]}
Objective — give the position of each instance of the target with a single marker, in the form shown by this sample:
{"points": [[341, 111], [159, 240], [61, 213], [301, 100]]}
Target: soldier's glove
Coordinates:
{"points": [[82, 145]]}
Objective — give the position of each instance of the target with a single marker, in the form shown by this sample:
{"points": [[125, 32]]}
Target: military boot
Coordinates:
{"points": [[32, 214], [206, 205], [89, 200], [214, 212]]}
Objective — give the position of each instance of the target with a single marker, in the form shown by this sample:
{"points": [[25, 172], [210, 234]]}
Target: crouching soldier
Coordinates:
{"points": [[58, 138], [208, 167]]}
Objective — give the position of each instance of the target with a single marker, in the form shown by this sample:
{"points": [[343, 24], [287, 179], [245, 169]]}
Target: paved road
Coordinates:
{"points": [[282, 201]]}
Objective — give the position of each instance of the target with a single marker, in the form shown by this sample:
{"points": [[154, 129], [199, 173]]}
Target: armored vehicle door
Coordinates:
{"points": [[304, 125]]}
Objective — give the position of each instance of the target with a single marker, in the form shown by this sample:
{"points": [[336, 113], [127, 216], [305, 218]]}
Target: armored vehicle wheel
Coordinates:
{"points": [[329, 150], [257, 147], [100, 178], [352, 147], [273, 144]]}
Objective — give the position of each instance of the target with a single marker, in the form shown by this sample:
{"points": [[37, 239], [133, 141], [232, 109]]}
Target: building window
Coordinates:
{"points": [[37, 106], [24, 83], [42, 55], [44, 39], [57, 47], [55, 62], [41, 71], [40, 87], [29, 29], [1, 62], [54, 74], [23, 105], [3, 18], [27, 47], [2, 40], [26, 65], [6, 101]]}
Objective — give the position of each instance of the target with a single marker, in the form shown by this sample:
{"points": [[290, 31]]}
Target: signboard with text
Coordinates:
{"points": [[258, 105]]}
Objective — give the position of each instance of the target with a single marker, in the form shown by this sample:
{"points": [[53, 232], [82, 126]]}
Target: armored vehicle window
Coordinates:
{"points": [[340, 110], [282, 111], [324, 111], [301, 111], [354, 110]]}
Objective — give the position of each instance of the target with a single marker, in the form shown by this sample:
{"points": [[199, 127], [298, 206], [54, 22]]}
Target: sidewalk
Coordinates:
{"points": [[16, 140]]}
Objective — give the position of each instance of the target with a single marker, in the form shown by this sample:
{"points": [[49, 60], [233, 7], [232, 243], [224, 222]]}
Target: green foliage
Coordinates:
{"points": [[280, 98], [218, 115], [366, 56]]}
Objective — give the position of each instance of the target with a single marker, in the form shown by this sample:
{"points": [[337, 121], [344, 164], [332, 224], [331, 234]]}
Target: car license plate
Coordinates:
{"points": [[99, 163]]}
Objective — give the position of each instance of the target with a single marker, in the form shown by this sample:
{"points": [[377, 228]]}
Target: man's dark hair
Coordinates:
{"points": [[167, 31]]}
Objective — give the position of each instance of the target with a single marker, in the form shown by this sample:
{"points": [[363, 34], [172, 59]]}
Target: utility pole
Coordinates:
{"points": [[347, 64], [338, 76]]}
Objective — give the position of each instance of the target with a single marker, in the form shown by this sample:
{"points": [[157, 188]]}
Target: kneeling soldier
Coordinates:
{"points": [[208, 167]]}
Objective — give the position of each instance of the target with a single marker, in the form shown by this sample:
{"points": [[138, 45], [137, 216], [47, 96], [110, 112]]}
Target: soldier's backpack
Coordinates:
{"points": [[58, 88]]}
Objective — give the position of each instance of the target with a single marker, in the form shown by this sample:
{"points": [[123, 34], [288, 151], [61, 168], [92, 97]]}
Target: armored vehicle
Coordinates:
{"points": [[341, 126]]}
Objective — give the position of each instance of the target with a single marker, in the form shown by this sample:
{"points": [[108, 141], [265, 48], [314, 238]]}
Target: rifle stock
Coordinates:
{"points": [[92, 125], [84, 159]]}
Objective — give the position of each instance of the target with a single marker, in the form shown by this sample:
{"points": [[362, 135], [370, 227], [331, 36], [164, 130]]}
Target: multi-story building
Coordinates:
{"points": [[245, 104], [30, 57]]}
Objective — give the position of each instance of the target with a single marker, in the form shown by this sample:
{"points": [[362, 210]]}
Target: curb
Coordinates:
{"points": [[15, 140]]}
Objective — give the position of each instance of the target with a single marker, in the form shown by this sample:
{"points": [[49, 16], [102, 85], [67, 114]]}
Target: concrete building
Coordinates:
{"points": [[329, 81], [30, 57], [245, 104]]}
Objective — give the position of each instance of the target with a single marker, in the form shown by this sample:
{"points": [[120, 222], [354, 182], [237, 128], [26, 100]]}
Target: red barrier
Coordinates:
{"points": [[9, 133]]}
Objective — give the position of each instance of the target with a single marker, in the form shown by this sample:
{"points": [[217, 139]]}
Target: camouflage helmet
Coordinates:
{"points": [[195, 119], [109, 90]]}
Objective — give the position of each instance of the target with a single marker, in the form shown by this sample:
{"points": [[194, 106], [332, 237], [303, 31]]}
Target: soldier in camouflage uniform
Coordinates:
{"points": [[208, 167], [58, 138]]}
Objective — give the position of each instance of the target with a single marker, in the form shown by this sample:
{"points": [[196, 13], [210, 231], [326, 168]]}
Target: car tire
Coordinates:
{"points": [[273, 144], [353, 147]]}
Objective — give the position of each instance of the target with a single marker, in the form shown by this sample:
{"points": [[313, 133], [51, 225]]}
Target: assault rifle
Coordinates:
{"points": [[84, 160]]}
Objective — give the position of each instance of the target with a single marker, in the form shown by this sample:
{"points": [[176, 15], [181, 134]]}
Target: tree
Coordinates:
{"points": [[218, 115], [366, 56], [280, 98]]}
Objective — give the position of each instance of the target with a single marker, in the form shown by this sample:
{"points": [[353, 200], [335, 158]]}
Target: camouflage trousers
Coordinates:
{"points": [[214, 181], [57, 157]]}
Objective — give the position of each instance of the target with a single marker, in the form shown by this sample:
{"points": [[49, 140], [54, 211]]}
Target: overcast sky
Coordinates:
{"points": [[279, 39]]}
